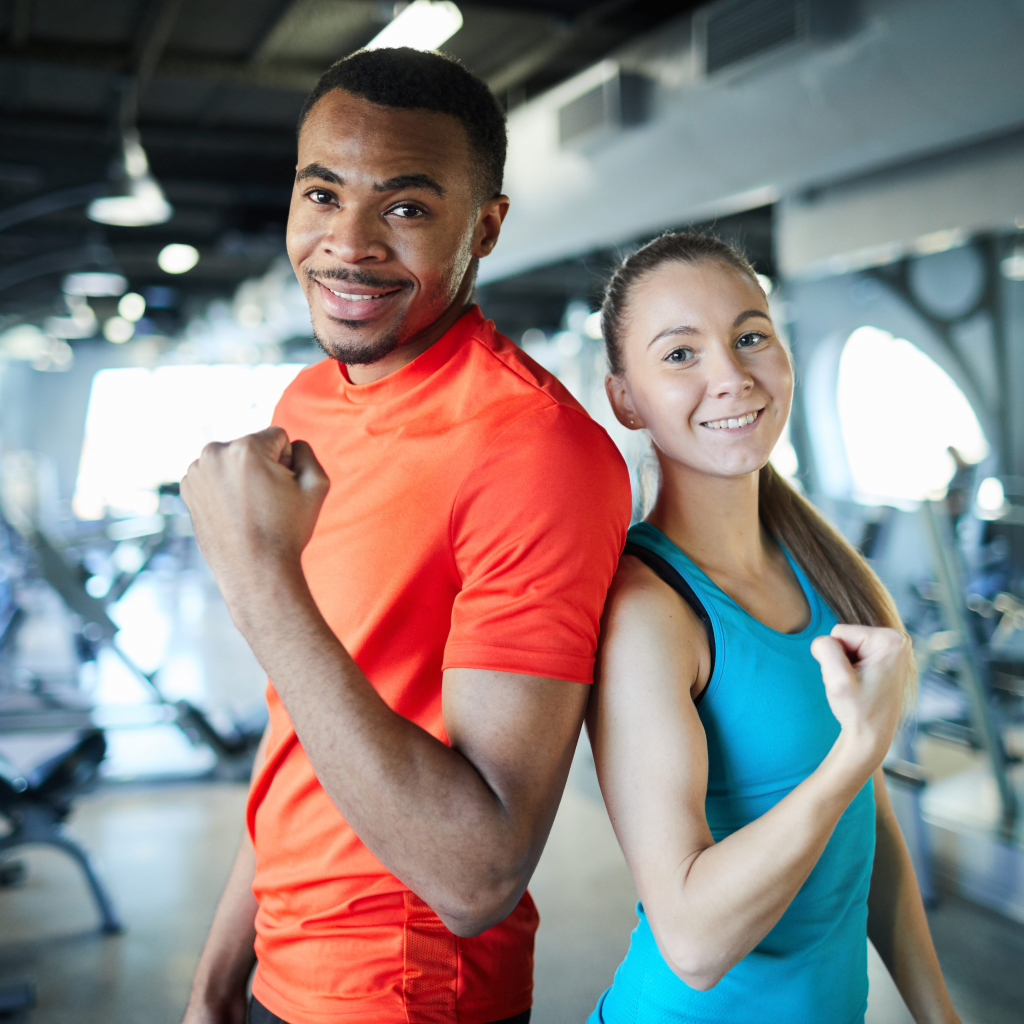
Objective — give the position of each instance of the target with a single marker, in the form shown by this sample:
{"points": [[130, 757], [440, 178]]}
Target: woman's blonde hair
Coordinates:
{"points": [[839, 573]]}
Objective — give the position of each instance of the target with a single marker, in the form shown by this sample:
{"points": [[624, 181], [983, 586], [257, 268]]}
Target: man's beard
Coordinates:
{"points": [[370, 351], [361, 353]]}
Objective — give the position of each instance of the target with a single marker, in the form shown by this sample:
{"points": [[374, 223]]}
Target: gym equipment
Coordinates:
{"points": [[235, 749], [36, 806]]}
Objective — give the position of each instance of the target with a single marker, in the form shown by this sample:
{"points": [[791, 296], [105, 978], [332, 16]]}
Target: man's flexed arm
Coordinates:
{"points": [[462, 825]]}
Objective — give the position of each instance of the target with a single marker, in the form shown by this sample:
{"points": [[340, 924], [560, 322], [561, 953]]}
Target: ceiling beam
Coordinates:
{"points": [[292, 77], [274, 145]]}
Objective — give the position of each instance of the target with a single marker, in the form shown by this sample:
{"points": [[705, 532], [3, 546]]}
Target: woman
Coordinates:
{"points": [[747, 796]]}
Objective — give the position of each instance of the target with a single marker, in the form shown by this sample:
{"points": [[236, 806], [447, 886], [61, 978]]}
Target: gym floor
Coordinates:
{"points": [[165, 851]]}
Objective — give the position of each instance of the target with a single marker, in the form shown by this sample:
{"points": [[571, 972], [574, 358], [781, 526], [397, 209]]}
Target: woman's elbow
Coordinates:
{"points": [[692, 962]]}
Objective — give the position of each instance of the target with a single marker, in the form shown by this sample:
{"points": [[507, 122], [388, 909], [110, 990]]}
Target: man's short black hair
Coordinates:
{"points": [[416, 80]]}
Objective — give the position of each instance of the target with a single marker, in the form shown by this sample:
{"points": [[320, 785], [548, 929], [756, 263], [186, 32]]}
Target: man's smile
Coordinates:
{"points": [[353, 301]]}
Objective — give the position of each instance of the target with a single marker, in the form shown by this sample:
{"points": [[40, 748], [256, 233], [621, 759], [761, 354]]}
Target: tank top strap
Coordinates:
{"points": [[672, 565]]}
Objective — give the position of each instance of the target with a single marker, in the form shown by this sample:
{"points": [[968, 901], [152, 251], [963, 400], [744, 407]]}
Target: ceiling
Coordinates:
{"points": [[219, 84]]}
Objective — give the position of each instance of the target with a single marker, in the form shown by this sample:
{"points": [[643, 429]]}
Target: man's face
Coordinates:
{"points": [[384, 222]]}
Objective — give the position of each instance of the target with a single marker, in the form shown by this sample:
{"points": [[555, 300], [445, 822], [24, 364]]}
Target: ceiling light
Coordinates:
{"points": [[118, 330], [95, 284], [25, 342], [144, 204], [1013, 266], [80, 324], [177, 258], [991, 497], [132, 306], [423, 25], [139, 201]]}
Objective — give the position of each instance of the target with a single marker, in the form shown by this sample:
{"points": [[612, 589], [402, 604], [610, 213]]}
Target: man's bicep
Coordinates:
{"points": [[536, 535], [518, 731]]}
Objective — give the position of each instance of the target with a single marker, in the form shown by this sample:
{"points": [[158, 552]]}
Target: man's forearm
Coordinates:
{"points": [[228, 956], [419, 805]]}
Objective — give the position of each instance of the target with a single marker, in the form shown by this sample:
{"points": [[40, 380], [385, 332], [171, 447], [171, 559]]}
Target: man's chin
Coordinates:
{"points": [[348, 343]]}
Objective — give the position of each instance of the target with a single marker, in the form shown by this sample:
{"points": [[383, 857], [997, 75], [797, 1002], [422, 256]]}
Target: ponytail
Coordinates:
{"points": [[835, 568]]}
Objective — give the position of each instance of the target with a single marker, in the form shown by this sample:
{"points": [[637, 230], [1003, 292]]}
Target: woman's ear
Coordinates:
{"points": [[622, 402]]}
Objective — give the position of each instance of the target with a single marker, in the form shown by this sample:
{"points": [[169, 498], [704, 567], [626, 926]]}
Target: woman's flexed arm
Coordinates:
{"points": [[710, 903]]}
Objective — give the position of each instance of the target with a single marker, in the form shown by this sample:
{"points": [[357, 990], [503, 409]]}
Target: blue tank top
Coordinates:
{"points": [[768, 726]]}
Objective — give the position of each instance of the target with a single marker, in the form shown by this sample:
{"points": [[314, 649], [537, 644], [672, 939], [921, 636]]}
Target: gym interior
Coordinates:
{"points": [[868, 155]]}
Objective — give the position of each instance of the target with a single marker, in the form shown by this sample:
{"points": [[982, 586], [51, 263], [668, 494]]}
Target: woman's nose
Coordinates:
{"points": [[727, 374]]}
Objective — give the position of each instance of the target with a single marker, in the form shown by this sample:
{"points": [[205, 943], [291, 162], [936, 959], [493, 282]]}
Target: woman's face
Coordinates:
{"points": [[704, 371]]}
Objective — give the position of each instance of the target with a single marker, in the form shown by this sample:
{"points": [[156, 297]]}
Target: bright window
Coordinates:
{"points": [[899, 412], [145, 427]]}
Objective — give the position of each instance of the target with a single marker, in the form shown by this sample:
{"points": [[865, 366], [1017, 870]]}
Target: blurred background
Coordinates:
{"points": [[869, 156]]}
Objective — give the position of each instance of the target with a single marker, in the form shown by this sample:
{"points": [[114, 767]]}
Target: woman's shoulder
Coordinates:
{"points": [[643, 613]]}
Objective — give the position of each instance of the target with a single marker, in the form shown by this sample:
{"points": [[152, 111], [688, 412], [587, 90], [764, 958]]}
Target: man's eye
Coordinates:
{"points": [[406, 211], [679, 355], [320, 196], [750, 339]]}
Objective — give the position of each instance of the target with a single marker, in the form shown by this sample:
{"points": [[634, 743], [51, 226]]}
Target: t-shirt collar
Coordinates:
{"points": [[423, 366]]}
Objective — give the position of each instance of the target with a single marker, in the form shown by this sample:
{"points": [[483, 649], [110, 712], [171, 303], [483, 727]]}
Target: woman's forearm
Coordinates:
{"points": [[726, 897], [897, 925]]}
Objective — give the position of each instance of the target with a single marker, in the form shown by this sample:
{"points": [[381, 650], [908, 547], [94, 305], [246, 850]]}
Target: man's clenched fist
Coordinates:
{"points": [[254, 503]]}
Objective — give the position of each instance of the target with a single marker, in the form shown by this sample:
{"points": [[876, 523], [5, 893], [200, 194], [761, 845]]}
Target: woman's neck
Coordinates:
{"points": [[713, 519]]}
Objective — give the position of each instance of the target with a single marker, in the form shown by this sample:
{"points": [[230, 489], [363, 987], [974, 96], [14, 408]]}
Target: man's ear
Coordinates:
{"points": [[622, 402], [488, 225]]}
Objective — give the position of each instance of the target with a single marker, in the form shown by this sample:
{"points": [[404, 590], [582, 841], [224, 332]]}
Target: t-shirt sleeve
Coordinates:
{"points": [[537, 530]]}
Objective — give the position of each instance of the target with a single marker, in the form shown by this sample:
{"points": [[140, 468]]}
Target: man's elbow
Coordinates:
{"points": [[468, 915]]}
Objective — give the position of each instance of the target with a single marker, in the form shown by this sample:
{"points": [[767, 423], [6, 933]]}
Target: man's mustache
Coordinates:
{"points": [[360, 277]]}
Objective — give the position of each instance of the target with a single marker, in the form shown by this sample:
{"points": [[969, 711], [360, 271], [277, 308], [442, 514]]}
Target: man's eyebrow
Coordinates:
{"points": [[669, 331], [424, 181], [318, 171], [748, 313]]}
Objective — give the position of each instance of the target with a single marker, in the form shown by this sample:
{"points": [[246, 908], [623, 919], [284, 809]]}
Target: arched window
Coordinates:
{"points": [[899, 413]]}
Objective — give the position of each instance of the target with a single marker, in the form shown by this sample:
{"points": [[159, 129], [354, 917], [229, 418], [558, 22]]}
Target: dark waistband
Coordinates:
{"points": [[259, 1014]]}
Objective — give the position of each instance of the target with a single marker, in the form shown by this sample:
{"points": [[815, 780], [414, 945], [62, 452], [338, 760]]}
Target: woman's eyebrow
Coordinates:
{"points": [[748, 313], [669, 331]]}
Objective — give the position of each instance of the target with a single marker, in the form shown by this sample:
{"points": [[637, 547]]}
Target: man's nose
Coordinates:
{"points": [[355, 236]]}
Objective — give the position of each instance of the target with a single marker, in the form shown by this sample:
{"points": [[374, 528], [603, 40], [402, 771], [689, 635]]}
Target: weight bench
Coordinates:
{"points": [[37, 803]]}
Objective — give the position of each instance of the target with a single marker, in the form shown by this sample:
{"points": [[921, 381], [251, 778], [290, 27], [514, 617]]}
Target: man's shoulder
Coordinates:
{"points": [[510, 372], [529, 404]]}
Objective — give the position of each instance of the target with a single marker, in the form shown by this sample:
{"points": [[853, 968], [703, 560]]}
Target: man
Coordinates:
{"points": [[428, 618]]}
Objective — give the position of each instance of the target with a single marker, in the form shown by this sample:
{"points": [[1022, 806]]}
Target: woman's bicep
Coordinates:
{"points": [[649, 744]]}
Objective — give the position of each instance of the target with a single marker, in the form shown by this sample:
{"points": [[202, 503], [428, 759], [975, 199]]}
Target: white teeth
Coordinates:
{"points": [[732, 424], [356, 298]]}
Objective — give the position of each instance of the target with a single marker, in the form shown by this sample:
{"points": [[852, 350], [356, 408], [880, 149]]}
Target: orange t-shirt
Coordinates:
{"points": [[475, 518]]}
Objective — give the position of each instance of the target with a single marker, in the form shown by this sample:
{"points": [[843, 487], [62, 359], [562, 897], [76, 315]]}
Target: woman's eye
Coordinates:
{"points": [[679, 355], [750, 339], [406, 211]]}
